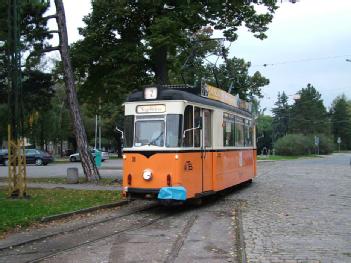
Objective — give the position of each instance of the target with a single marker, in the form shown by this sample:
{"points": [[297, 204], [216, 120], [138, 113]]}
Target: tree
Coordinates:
{"points": [[281, 114], [21, 32], [233, 76], [127, 44], [33, 32], [88, 164], [308, 114], [264, 132], [341, 121]]}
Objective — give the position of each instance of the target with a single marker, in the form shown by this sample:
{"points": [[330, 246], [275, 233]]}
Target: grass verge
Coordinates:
{"points": [[17, 213], [282, 157]]}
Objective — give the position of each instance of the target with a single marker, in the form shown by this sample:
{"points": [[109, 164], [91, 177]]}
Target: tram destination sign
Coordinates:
{"points": [[214, 93], [154, 108]]}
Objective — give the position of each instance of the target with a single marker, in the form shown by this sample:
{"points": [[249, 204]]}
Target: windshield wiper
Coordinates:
{"points": [[154, 140]]}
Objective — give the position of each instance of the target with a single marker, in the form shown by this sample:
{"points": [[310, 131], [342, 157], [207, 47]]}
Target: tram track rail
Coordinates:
{"points": [[149, 215], [73, 229], [115, 233], [179, 242], [123, 227]]}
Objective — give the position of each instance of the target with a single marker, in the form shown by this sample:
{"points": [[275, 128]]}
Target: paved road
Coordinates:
{"points": [[110, 168], [295, 211], [299, 211]]}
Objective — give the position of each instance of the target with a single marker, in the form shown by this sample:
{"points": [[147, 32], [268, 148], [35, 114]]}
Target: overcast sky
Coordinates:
{"points": [[308, 42]]}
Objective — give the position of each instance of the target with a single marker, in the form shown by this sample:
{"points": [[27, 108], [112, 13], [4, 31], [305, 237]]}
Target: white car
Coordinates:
{"points": [[76, 157]]}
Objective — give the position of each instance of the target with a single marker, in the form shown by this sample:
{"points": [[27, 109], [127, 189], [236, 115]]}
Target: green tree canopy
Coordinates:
{"points": [[35, 90], [308, 115], [127, 44], [281, 114], [341, 120], [264, 132], [234, 75]]}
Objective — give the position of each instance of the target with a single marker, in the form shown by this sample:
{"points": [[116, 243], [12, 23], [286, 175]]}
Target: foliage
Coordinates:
{"points": [[326, 145], [294, 144], [3, 123], [281, 114], [128, 44], [308, 114], [21, 213], [37, 91], [235, 73], [299, 144], [264, 132], [34, 34], [341, 121]]}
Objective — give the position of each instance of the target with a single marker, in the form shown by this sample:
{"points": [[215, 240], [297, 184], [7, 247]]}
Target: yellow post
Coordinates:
{"points": [[9, 154]]}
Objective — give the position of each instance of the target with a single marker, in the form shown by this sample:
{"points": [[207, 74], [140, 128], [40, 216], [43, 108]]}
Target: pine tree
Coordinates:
{"points": [[341, 121], [308, 114], [281, 116]]}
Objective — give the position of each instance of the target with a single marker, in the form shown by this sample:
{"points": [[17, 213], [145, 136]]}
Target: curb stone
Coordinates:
{"points": [[82, 211]]}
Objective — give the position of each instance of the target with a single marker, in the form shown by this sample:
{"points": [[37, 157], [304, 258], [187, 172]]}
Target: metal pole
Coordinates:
{"points": [[96, 123], [100, 124], [100, 132]]}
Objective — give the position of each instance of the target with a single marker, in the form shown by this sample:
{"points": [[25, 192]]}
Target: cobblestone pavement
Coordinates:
{"points": [[294, 211], [299, 211]]}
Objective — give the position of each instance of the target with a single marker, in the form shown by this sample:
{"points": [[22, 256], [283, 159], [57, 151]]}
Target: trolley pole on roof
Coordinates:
{"points": [[16, 155]]}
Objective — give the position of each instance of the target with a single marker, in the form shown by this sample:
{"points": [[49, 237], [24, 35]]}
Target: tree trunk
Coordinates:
{"points": [[159, 59], [88, 164]]}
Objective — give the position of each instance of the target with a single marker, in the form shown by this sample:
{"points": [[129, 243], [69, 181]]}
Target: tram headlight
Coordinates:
{"points": [[147, 175]]}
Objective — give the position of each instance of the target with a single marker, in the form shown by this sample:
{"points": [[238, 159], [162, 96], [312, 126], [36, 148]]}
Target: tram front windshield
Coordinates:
{"points": [[149, 132], [158, 130]]}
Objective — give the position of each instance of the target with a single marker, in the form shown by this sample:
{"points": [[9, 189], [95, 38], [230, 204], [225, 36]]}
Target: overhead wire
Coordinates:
{"points": [[301, 60]]}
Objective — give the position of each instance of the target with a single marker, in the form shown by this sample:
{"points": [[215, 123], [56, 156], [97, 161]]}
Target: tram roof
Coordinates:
{"points": [[186, 93]]}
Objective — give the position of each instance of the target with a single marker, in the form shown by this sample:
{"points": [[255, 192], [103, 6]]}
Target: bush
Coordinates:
{"points": [[299, 144], [294, 144], [326, 145]]}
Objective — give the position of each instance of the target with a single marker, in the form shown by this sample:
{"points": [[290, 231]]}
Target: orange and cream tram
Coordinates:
{"points": [[179, 145]]}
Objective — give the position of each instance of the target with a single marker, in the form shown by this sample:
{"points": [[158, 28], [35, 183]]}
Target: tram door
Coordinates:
{"points": [[206, 146]]}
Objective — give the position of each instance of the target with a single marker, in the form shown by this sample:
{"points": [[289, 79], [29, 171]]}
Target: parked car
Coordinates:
{"points": [[68, 152], [76, 157], [33, 156], [38, 157]]}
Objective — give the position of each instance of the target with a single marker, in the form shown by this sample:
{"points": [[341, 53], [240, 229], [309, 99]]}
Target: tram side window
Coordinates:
{"points": [[248, 133], [197, 115], [174, 130], [228, 130], [239, 131], [208, 128], [251, 133], [128, 130], [188, 124]]}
